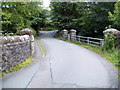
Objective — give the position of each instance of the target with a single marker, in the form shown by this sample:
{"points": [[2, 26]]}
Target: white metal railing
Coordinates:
{"points": [[88, 40]]}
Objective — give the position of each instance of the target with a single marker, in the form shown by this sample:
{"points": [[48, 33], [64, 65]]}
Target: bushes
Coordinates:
{"points": [[110, 49], [110, 43]]}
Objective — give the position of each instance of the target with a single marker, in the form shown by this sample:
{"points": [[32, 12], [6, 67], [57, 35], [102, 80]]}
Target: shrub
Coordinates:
{"points": [[109, 42]]}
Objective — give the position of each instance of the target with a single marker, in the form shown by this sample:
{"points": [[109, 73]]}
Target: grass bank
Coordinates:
{"points": [[113, 56], [41, 47], [19, 66]]}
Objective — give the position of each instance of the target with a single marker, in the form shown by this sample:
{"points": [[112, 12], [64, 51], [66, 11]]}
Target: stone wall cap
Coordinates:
{"points": [[72, 30], [14, 39], [26, 29], [110, 29], [65, 30]]}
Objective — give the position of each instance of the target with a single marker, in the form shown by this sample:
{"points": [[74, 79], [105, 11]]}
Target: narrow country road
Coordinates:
{"points": [[74, 66], [66, 65]]}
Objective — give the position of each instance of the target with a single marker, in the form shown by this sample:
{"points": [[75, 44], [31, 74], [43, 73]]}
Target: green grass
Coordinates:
{"points": [[19, 66], [41, 47], [113, 56]]}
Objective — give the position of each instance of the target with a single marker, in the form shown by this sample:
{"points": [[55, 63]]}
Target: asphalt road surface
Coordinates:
{"points": [[66, 65]]}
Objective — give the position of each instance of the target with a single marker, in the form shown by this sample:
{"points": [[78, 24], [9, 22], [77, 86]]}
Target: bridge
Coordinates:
{"points": [[65, 65]]}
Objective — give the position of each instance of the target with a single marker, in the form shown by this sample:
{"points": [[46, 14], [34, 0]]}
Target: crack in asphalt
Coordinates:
{"points": [[31, 79], [51, 70], [63, 84]]}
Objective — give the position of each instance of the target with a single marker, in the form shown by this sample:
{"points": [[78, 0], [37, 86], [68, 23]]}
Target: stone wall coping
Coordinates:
{"points": [[65, 30], [13, 39], [26, 31], [72, 30], [112, 30]]}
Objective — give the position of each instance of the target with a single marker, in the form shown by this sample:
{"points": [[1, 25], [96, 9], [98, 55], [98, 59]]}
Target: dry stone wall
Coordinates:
{"points": [[15, 49]]}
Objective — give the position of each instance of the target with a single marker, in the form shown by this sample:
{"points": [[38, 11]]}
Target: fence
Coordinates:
{"points": [[88, 40]]}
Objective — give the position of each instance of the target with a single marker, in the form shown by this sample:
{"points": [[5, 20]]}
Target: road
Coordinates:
{"points": [[66, 65]]}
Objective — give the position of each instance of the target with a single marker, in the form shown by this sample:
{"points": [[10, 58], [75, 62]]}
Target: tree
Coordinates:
{"points": [[89, 19], [19, 15], [63, 14], [115, 17], [96, 18]]}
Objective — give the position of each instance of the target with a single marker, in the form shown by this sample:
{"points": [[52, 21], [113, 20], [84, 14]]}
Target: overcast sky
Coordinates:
{"points": [[46, 3]]}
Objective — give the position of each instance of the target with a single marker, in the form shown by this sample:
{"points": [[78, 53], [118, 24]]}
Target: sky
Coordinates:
{"points": [[46, 3]]}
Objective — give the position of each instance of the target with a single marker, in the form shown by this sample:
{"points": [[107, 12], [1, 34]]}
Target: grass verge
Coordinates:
{"points": [[19, 66], [113, 56], [41, 47]]}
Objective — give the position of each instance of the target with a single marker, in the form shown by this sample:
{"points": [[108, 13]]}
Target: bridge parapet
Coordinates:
{"points": [[15, 49]]}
